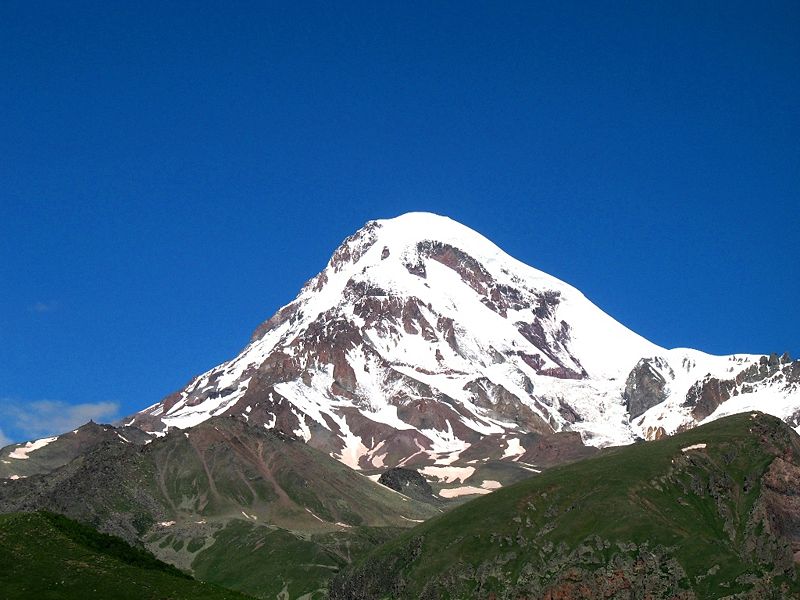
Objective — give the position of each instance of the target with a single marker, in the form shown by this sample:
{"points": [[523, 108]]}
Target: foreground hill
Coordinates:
{"points": [[293, 514], [44, 555], [710, 513]]}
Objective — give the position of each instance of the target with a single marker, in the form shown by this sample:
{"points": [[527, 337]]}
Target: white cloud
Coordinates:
{"points": [[44, 307], [42, 418]]}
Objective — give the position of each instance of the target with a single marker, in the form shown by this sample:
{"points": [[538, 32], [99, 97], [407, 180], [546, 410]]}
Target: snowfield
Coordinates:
{"points": [[421, 339]]}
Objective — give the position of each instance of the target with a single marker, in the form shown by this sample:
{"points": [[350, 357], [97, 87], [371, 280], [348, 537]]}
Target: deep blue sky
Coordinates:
{"points": [[170, 176]]}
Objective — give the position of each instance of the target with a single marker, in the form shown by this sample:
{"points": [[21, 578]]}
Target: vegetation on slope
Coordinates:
{"points": [[43, 555], [269, 561], [213, 499], [709, 513]]}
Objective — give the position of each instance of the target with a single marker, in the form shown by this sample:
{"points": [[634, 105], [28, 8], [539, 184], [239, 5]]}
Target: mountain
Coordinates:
{"points": [[46, 454], [49, 556], [710, 513], [295, 514], [423, 344]]}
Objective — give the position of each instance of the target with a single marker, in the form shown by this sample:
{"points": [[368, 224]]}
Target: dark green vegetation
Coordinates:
{"points": [[667, 519], [231, 503], [48, 556], [292, 560]]}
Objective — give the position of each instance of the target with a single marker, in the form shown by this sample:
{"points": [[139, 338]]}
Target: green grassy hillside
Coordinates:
{"points": [[230, 503], [47, 556], [710, 513]]}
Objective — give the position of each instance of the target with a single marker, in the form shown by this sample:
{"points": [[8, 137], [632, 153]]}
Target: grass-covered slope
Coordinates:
{"points": [[710, 513], [277, 563], [47, 556], [231, 503]]}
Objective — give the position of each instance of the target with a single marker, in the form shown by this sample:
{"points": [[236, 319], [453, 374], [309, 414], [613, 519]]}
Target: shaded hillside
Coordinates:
{"points": [[46, 455], [709, 513], [49, 556], [192, 495]]}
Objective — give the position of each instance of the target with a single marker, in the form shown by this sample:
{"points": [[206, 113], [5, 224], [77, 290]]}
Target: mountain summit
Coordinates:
{"points": [[423, 343]]}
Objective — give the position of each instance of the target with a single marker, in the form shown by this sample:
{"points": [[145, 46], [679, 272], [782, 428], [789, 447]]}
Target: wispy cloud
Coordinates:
{"points": [[43, 307], [41, 418], [4, 441]]}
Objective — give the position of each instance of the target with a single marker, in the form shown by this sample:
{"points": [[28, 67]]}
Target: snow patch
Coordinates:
{"points": [[448, 458], [513, 449], [462, 491], [308, 510], [412, 520], [529, 467], [21, 453], [693, 447], [448, 474]]}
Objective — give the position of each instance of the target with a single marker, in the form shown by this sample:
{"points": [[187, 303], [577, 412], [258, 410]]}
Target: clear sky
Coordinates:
{"points": [[171, 174]]}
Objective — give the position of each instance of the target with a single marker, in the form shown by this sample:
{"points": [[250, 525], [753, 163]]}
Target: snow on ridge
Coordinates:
{"points": [[21, 452], [183, 417], [487, 329], [692, 366], [377, 258], [409, 228], [767, 400]]}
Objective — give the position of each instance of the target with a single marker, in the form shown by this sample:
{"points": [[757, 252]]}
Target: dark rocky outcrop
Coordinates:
{"points": [[408, 482], [646, 386], [503, 404], [706, 395]]}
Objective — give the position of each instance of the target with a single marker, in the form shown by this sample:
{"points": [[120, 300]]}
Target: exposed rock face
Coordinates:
{"points": [[646, 386], [421, 339], [408, 482], [659, 407], [781, 501], [551, 450], [704, 397], [644, 573]]}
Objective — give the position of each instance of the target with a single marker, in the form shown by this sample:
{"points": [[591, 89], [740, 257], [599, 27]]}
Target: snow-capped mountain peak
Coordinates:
{"points": [[422, 342]]}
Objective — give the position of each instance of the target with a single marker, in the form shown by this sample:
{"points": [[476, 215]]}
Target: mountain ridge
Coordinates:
{"points": [[421, 340]]}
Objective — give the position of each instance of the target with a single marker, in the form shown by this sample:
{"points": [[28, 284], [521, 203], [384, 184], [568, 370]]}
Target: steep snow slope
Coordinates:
{"points": [[422, 342]]}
